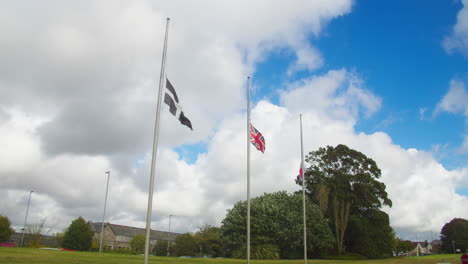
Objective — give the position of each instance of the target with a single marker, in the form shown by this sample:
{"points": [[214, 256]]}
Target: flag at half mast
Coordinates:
{"points": [[172, 100], [300, 177], [257, 139]]}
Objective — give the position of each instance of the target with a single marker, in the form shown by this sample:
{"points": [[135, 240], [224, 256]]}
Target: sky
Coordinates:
{"points": [[78, 92]]}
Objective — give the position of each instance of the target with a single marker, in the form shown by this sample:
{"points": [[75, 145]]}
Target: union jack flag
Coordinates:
{"points": [[257, 139]]}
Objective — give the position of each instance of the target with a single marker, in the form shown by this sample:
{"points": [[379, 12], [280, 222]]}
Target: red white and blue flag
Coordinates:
{"points": [[257, 139]]}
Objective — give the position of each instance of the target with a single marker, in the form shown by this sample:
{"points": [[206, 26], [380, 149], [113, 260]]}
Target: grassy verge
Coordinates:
{"points": [[38, 256]]}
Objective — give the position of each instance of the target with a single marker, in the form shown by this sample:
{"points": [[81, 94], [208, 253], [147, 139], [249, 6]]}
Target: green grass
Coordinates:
{"points": [[38, 256]]}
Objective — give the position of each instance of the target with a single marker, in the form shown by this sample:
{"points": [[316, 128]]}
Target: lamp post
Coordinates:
{"points": [[104, 213], [168, 234], [25, 219]]}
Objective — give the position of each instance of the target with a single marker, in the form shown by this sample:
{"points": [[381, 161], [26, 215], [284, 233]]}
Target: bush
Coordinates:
{"points": [[78, 236], [138, 243], [5, 229], [266, 251]]}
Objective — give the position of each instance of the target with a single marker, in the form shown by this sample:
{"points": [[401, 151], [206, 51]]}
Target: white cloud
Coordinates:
{"points": [[458, 39], [77, 95], [456, 102]]}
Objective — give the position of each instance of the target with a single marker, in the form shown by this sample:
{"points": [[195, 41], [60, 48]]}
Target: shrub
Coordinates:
{"points": [[78, 235], [5, 229]]}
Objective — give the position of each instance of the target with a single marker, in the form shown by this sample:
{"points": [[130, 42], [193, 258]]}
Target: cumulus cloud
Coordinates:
{"points": [[455, 101], [458, 39], [77, 98]]}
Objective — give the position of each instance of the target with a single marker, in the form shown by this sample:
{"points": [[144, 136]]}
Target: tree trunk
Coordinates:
{"points": [[341, 214]]}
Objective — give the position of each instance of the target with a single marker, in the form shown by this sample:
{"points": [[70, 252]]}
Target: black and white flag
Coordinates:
{"points": [[171, 99]]}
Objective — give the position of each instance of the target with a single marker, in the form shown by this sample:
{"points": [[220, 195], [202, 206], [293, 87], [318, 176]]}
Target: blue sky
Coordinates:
{"points": [[94, 67], [396, 48]]}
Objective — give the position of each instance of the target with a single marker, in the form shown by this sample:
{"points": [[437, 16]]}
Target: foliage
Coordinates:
{"points": [[403, 246], [369, 234], [36, 230], [28, 255], [455, 230], [276, 219], [161, 248], [58, 239], [207, 239], [265, 251], [343, 181], [5, 229], [185, 245], [78, 235], [138, 243]]}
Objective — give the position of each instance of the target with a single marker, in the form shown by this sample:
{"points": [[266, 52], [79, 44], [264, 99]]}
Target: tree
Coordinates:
{"points": [[138, 243], [370, 234], [185, 245], [455, 234], [343, 181], [207, 239], [403, 246], [5, 229], [276, 227], [36, 231], [78, 235]]}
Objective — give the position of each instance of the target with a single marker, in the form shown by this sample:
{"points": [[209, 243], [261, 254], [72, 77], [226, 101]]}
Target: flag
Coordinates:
{"points": [[171, 99], [257, 139], [300, 177]]}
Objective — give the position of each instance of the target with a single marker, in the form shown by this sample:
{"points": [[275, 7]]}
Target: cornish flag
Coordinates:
{"points": [[171, 99], [257, 139]]}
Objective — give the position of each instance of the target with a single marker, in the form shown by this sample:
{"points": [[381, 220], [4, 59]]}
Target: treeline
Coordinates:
{"points": [[344, 198]]}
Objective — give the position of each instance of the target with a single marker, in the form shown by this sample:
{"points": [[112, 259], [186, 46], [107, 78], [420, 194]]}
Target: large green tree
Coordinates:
{"points": [[276, 227], [370, 234], [185, 245], [455, 234], [5, 229], [343, 181], [207, 239], [78, 235]]}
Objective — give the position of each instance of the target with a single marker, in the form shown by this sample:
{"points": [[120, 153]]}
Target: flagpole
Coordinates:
{"points": [[248, 170], [303, 193], [155, 146]]}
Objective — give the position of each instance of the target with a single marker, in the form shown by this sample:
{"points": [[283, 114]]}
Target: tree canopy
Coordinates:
{"points": [[276, 227], [78, 235], [343, 182], [455, 234], [5, 229], [207, 239], [185, 245], [138, 243]]}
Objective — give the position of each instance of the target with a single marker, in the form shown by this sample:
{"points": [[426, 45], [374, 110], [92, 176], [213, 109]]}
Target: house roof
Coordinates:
{"points": [[422, 243], [129, 231]]}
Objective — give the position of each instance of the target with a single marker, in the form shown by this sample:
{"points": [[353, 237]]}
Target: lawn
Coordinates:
{"points": [[38, 256]]}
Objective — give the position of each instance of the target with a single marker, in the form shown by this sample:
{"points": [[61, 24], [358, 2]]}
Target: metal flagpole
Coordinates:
{"points": [[303, 193], [26, 218], [248, 170], [104, 214], [155, 146]]}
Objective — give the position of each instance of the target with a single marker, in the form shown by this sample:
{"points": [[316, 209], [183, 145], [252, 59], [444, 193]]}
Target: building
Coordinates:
{"points": [[119, 237], [421, 248]]}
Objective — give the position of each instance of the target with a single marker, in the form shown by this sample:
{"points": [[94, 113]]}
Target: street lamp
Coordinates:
{"points": [[27, 210], [168, 234], [104, 213]]}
